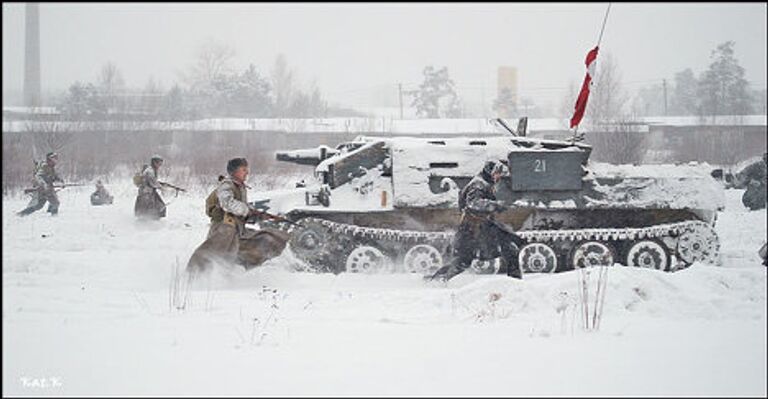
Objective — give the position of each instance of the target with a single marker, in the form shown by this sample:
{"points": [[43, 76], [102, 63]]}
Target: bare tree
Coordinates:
{"points": [[50, 136], [282, 86], [17, 162], [567, 105], [150, 97], [614, 131], [623, 142], [212, 60], [607, 98], [111, 84]]}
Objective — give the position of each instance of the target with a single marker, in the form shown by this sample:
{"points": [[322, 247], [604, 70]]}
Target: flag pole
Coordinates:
{"points": [[599, 39], [605, 19]]}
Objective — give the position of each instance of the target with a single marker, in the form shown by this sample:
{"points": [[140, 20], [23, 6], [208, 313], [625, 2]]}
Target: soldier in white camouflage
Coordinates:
{"points": [[149, 204], [44, 189], [478, 230]]}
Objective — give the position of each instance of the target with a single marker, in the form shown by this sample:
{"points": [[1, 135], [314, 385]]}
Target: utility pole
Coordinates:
{"points": [[665, 97], [400, 95]]}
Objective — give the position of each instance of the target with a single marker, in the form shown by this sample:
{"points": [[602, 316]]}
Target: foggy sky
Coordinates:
{"points": [[353, 50]]}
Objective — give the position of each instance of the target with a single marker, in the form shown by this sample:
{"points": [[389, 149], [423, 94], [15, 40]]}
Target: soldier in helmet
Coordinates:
{"points": [[101, 195], [45, 176], [228, 240], [149, 204], [478, 204]]}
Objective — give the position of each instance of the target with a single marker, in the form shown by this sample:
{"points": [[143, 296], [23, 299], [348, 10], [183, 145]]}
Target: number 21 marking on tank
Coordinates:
{"points": [[540, 165]]}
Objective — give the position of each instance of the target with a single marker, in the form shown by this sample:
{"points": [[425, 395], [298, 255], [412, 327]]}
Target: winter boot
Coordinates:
{"points": [[445, 273], [513, 269]]}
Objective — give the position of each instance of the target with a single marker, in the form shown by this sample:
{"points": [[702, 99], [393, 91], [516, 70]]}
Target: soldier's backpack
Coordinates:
{"points": [[138, 177], [37, 168], [212, 207]]}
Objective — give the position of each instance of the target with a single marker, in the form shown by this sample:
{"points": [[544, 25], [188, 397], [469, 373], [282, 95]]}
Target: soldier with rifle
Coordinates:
{"points": [[228, 240], [478, 229], [149, 204], [43, 189]]}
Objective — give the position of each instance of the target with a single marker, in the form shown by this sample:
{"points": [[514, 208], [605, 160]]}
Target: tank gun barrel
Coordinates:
{"points": [[308, 156]]}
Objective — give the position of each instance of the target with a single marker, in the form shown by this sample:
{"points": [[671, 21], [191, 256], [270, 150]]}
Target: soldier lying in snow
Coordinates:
{"points": [[101, 195], [229, 241]]}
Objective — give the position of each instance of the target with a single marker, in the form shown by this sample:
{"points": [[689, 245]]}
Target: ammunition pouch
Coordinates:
{"points": [[231, 219]]}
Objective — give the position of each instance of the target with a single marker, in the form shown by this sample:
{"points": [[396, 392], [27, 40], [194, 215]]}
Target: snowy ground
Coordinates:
{"points": [[86, 311]]}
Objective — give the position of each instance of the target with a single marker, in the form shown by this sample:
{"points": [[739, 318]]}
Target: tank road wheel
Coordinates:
{"points": [[423, 259], [592, 253], [367, 259], [650, 254], [698, 243], [308, 244], [537, 258]]}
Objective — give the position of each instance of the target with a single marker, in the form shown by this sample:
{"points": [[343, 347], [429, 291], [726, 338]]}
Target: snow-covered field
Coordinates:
{"points": [[86, 311]]}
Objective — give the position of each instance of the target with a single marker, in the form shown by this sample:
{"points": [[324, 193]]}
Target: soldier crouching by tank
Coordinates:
{"points": [[229, 241], [756, 178], [149, 204], [478, 230], [44, 190], [101, 195]]}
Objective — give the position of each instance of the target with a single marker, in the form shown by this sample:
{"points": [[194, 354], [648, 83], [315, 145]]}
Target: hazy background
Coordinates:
{"points": [[356, 54]]}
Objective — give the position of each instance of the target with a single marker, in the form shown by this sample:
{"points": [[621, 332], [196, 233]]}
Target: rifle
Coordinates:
{"points": [[60, 186], [172, 186], [274, 217], [261, 205]]}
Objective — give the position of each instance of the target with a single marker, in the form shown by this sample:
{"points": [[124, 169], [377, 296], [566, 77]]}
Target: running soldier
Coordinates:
{"points": [[149, 204], [478, 230], [229, 241], [44, 189]]}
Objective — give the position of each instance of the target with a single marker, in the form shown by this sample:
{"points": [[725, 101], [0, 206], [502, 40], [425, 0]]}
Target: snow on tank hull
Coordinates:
{"points": [[391, 205]]}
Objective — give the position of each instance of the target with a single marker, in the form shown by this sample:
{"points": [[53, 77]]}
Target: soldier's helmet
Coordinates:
{"points": [[156, 158], [52, 155]]}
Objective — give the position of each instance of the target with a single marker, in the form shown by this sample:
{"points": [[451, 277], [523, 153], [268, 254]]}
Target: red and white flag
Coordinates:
{"points": [[581, 102]]}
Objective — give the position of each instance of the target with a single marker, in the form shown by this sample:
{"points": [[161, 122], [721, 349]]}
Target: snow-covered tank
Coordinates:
{"points": [[390, 204]]}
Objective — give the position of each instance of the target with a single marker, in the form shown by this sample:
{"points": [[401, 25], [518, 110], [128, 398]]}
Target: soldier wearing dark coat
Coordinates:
{"points": [[45, 176], [101, 195], [756, 178], [478, 230], [149, 204], [229, 241]]}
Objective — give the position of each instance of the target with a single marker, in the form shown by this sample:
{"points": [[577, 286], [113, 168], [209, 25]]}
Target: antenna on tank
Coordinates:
{"points": [[504, 125]]}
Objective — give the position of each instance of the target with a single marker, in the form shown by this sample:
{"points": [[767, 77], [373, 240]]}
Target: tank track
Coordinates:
{"points": [[685, 241]]}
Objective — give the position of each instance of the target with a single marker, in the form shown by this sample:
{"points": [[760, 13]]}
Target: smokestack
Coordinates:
{"points": [[32, 55]]}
